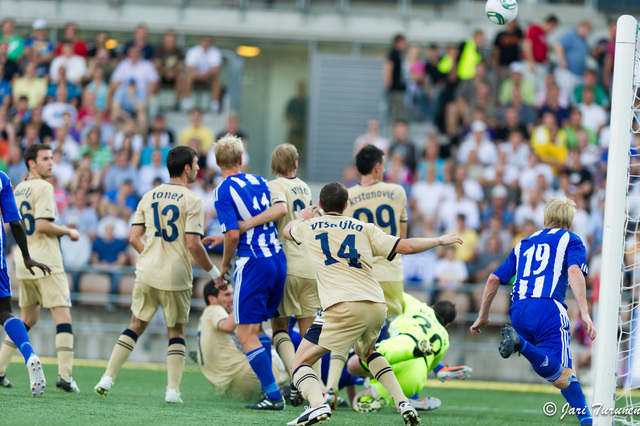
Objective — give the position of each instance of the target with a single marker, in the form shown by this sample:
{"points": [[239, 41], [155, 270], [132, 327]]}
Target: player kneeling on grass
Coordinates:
{"points": [[14, 328], [171, 218], [353, 303], [220, 358], [543, 264], [418, 342]]}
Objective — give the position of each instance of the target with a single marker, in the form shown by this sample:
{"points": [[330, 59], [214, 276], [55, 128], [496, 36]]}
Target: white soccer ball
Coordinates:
{"points": [[501, 12]]}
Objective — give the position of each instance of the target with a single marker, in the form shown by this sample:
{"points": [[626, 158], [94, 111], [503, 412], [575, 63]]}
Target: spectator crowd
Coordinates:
{"points": [[512, 125], [89, 101]]}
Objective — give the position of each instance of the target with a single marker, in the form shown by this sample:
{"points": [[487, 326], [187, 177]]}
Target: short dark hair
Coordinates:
{"points": [[367, 158], [552, 19], [333, 197], [210, 289], [398, 37], [179, 157], [31, 153], [445, 312]]}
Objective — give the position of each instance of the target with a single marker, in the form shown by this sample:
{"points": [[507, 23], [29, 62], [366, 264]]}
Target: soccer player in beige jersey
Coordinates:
{"points": [[219, 355], [34, 198], [354, 310], [171, 219], [384, 205]]}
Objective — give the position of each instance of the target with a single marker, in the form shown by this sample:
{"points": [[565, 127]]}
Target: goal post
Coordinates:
{"points": [[625, 84]]}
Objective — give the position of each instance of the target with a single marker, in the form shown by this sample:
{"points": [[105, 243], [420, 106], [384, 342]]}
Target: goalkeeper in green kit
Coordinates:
{"points": [[418, 340]]}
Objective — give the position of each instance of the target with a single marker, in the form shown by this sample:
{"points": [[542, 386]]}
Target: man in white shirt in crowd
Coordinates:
{"points": [[75, 65], [149, 173], [52, 113], [131, 82], [203, 63], [478, 141]]}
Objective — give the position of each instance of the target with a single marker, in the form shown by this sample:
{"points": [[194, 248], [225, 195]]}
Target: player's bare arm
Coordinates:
{"points": [[490, 290], [199, 254], [49, 228], [305, 214], [418, 245], [231, 238], [403, 230], [17, 229], [271, 214], [578, 287], [135, 237], [228, 324]]}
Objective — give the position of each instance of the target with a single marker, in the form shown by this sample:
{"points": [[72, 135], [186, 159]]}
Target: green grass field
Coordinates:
{"points": [[138, 398]]}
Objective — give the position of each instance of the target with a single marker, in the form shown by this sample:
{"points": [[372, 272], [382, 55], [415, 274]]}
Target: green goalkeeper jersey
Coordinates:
{"points": [[419, 321]]}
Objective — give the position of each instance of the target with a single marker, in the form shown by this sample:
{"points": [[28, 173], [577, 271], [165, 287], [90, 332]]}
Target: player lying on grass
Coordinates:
{"points": [[219, 355], [353, 303], [418, 341], [14, 328], [543, 264]]}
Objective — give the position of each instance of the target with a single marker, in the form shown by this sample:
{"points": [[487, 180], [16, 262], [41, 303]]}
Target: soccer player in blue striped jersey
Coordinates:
{"points": [[261, 268], [15, 328], [543, 264]]}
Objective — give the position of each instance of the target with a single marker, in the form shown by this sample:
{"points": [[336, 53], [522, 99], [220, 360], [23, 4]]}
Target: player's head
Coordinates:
{"points": [[559, 213], [333, 197], [183, 159], [370, 160], [284, 160], [213, 296], [228, 150], [39, 160], [445, 312]]}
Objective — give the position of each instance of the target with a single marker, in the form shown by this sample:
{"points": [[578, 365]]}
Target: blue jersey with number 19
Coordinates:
{"points": [[540, 264], [240, 197]]}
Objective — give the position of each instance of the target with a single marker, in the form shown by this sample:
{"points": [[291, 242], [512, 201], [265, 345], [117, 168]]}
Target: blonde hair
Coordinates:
{"points": [[228, 150], [283, 159], [559, 213]]}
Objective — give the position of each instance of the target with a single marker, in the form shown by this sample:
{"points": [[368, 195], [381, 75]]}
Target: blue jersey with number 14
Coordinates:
{"points": [[540, 264], [240, 197]]}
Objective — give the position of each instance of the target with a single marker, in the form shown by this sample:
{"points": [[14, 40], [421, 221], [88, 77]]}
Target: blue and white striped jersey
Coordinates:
{"points": [[9, 211], [540, 264], [240, 197]]}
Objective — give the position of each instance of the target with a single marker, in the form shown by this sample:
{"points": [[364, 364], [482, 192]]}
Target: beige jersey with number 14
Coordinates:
{"points": [[384, 205]]}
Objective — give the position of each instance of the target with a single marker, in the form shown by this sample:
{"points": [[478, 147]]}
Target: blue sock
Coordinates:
{"points": [[261, 365], [438, 368], [575, 397], [546, 365], [265, 339], [18, 334]]}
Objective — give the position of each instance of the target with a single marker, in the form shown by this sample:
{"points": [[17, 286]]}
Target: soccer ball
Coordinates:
{"points": [[501, 12]]}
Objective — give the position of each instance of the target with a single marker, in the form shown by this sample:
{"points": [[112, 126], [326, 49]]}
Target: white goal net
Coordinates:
{"points": [[616, 396]]}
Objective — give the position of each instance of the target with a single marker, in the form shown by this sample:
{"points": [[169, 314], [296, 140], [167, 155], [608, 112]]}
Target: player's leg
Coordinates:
{"points": [[304, 378], [17, 331], [572, 391], [175, 305], [282, 341], [175, 363], [373, 315], [265, 341], [303, 325], [64, 348], [257, 295], [55, 296], [28, 316], [30, 301], [144, 304]]}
